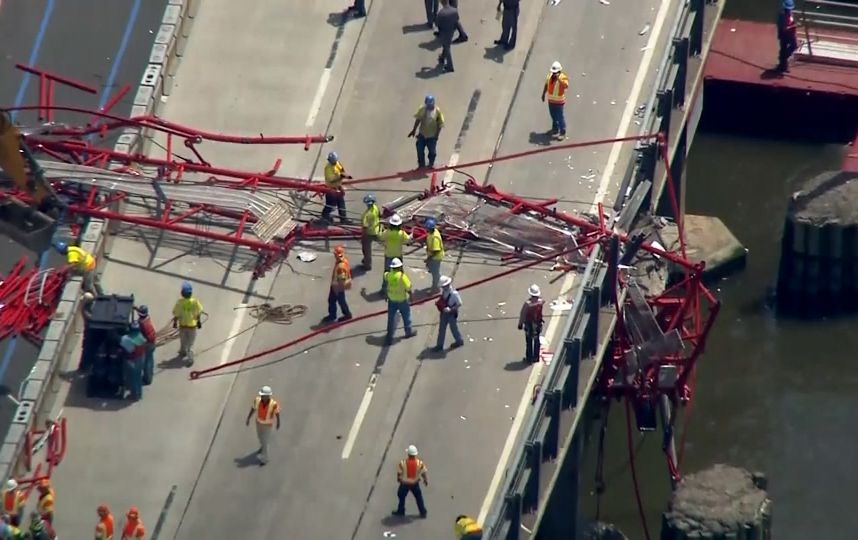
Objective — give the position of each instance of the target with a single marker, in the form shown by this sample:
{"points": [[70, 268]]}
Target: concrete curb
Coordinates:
{"points": [[60, 342]]}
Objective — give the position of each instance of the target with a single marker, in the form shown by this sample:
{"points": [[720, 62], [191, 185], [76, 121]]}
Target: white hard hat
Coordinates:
{"points": [[12, 484], [265, 391], [446, 280], [396, 263], [556, 67], [411, 450], [534, 291], [396, 220], [88, 297]]}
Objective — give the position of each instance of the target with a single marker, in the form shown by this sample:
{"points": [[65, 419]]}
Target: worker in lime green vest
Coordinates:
{"points": [[467, 528], [394, 238], [398, 296], [370, 227], [82, 263]]}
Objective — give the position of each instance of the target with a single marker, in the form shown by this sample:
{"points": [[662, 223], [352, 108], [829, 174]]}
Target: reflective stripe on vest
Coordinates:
{"points": [[397, 290], [265, 414], [556, 92]]}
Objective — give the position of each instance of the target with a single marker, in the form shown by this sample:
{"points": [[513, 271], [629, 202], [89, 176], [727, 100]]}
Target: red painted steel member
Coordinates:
{"points": [[530, 320], [786, 35]]}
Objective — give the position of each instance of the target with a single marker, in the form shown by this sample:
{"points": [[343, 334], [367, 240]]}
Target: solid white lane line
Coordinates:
{"points": [[361, 414], [448, 176], [317, 99], [236, 328], [613, 157]]}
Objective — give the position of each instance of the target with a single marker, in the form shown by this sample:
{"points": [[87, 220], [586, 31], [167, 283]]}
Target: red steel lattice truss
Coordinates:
{"points": [[687, 308]]}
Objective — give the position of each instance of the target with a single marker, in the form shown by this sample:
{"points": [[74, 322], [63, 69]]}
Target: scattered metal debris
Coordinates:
{"points": [[307, 256], [644, 30]]}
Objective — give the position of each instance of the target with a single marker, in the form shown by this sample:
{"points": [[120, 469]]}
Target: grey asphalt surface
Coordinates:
{"points": [[350, 405], [80, 41]]}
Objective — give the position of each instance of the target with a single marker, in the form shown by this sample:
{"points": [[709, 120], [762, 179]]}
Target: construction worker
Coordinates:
{"points": [[467, 528], [431, 11], [509, 23], [447, 22], [463, 35], [81, 263], [133, 528], [787, 40], [393, 238], [266, 410], [186, 316], [398, 297], [39, 528], [45, 506], [134, 344], [104, 527], [334, 175], [430, 121], [358, 9], [370, 223], [409, 472], [151, 335], [448, 307], [434, 252], [555, 87], [9, 531], [13, 501], [341, 281], [530, 320]]}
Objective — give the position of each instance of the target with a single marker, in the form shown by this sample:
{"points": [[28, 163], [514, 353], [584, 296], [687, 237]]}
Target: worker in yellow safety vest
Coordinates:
{"points": [[434, 252], [186, 317], [82, 263], [334, 175], [266, 410], [370, 223], [467, 528], [393, 238], [399, 294], [13, 501], [555, 88], [45, 506], [409, 472]]}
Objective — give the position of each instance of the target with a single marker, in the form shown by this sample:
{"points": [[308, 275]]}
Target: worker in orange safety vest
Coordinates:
{"points": [[341, 281], [13, 501], [133, 529], [409, 473], [104, 528], [266, 410], [530, 320], [45, 506], [555, 88]]}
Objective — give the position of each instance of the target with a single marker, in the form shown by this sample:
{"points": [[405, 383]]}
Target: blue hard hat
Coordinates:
{"points": [[187, 288], [430, 100], [333, 158], [61, 247], [789, 4], [143, 310], [369, 199], [430, 223]]}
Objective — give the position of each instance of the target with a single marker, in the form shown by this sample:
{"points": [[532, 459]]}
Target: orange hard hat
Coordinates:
{"points": [[133, 513], [339, 250], [103, 509], [44, 483]]}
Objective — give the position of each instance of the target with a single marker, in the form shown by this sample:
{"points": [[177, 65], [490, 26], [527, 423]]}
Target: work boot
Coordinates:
{"points": [[344, 318], [457, 344], [423, 514], [436, 349], [329, 319], [460, 39], [410, 334], [388, 341], [398, 513]]}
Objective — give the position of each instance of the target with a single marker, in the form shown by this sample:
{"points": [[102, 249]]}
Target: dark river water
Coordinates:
{"points": [[772, 395]]}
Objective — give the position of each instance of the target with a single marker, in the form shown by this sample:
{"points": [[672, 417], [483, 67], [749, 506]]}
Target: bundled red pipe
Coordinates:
{"points": [[28, 300]]}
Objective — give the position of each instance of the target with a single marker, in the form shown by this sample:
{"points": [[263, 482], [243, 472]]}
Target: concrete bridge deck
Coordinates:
{"points": [[351, 406]]}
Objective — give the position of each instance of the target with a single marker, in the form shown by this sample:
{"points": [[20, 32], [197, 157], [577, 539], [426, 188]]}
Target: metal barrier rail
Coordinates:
{"points": [[827, 25], [540, 441]]}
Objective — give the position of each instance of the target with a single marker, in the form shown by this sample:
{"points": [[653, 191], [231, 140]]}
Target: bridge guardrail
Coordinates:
{"points": [[830, 26], [541, 440]]}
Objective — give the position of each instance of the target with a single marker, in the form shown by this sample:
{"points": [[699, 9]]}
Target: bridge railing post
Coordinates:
{"points": [[572, 348], [533, 451], [696, 37], [513, 508], [680, 58]]}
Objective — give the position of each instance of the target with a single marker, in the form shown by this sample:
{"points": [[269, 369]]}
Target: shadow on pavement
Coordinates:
{"points": [[429, 73], [541, 138], [391, 521], [518, 365], [77, 395], [249, 460], [495, 53], [431, 45], [337, 18], [412, 28]]}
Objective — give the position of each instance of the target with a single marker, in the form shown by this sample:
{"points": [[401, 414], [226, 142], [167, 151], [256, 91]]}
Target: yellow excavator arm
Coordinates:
{"points": [[12, 162]]}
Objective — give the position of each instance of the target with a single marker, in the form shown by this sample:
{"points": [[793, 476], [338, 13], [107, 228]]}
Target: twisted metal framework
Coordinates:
{"points": [[655, 344]]}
